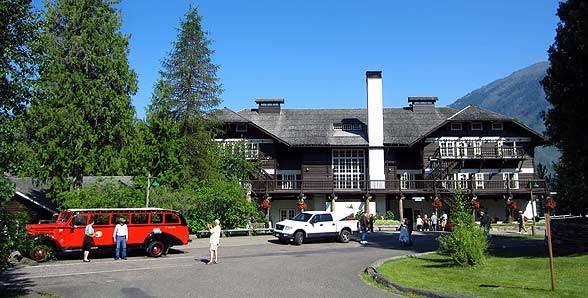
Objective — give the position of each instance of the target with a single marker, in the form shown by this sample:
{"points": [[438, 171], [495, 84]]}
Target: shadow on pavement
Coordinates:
{"points": [[14, 284]]}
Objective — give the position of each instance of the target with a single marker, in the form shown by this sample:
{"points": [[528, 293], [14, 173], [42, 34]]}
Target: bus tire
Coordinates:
{"points": [[155, 248]]}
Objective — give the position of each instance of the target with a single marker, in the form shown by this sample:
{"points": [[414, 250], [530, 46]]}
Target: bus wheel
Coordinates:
{"points": [[40, 253], [155, 248]]}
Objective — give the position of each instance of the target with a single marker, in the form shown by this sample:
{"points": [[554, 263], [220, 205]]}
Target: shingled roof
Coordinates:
{"points": [[473, 113], [314, 127]]}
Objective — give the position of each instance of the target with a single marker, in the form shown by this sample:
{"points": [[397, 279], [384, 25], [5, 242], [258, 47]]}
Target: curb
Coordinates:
{"points": [[371, 271]]}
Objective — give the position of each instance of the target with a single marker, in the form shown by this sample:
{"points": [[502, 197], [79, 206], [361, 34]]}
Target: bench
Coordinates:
{"points": [[387, 227], [231, 232], [262, 231]]}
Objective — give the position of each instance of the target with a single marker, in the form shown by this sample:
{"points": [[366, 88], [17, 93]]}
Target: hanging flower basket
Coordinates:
{"points": [[511, 204], [301, 206], [265, 204], [549, 203], [437, 203], [474, 204]]}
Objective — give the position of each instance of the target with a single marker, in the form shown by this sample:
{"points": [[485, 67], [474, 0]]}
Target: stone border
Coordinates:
{"points": [[371, 271]]}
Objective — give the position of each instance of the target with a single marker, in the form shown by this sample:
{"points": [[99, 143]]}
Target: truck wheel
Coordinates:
{"points": [[344, 236], [155, 248], [298, 237], [40, 253]]}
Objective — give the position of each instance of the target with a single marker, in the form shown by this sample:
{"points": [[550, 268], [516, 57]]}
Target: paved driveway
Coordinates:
{"points": [[248, 267]]}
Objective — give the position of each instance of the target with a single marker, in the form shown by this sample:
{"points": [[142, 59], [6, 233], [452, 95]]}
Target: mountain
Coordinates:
{"points": [[519, 96]]}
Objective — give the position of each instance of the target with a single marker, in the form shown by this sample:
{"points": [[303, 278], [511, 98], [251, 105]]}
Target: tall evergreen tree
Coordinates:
{"points": [[567, 90], [186, 94], [18, 27], [82, 117]]}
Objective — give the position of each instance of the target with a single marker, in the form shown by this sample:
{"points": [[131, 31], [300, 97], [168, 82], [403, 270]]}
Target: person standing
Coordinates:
{"points": [[121, 236], [434, 222], [214, 241], [426, 223], [363, 226], [88, 239], [485, 222], [404, 237], [522, 219], [419, 223], [443, 221]]}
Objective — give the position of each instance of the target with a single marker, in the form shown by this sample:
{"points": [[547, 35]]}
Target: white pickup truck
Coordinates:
{"points": [[315, 224]]}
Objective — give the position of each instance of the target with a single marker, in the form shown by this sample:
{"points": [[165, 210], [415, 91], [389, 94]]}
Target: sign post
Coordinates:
{"points": [[550, 247]]}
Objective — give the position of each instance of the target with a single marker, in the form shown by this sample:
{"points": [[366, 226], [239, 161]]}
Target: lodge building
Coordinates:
{"points": [[380, 159]]}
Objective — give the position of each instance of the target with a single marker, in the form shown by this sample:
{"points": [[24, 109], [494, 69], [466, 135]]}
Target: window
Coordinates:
{"points": [[101, 219], [80, 220], [477, 126], [337, 126], [171, 218], [479, 180], [461, 180], [462, 149], [447, 148], [156, 218], [456, 126], [348, 168], [497, 126], [511, 180], [289, 179], [407, 180], [140, 218], [348, 126], [241, 127], [287, 213], [115, 217]]}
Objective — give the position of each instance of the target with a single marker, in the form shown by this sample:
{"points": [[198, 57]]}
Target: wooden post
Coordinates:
{"points": [[401, 207], [550, 247]]}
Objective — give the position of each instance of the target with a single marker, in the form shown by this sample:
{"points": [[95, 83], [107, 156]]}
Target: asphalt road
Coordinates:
{"points": [[248, 267]]}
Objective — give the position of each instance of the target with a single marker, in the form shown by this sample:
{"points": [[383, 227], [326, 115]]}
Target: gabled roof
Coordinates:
{"points": [[473, 113], [314, 127], [228, 116]]}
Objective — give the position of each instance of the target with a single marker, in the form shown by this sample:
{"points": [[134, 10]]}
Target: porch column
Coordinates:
{"points": [[401, 207]]}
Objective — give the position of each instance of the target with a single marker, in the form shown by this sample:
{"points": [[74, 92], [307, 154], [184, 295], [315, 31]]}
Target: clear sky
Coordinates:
{"points": [[314, 54]]}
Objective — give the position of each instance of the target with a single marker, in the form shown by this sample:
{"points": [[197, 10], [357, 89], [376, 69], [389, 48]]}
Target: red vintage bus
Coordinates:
{"points": [[152, 229]]}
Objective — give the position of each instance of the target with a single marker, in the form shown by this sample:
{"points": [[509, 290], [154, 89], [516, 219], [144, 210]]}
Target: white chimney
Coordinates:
{"points": [[375, 129]]}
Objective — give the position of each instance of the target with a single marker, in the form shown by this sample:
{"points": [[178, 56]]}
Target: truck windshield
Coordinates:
{"points": [[63, 217], [302, 217]]}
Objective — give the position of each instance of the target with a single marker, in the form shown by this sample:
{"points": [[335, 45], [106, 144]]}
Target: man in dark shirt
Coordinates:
{"points": [[485, 222], [363, 226]]}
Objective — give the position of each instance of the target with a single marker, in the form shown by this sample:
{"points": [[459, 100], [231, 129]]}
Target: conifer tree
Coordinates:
{"points": [[82, 116], [185, 96], [566, 89]]}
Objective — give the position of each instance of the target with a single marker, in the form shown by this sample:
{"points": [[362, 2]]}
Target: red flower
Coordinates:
{"points": [[549, 203], [511, 204], [302, 206], [437, 202], [265, 204], [474, 204]]}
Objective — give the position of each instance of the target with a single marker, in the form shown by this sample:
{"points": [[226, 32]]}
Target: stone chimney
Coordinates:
{"points": [[375, 129]]}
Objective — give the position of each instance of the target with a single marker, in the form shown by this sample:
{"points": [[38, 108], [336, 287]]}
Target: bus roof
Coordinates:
{"points": [[117, 209]]}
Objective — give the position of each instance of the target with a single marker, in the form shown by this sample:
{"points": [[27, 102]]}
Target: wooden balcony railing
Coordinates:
{"points": [[496, 152], [480, 186]]}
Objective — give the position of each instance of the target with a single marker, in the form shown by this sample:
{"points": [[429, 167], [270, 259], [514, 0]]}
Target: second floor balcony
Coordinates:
{"points": [[399, 186]]}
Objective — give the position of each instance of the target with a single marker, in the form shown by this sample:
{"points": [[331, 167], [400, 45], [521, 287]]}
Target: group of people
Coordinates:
{"points": [[121, 236], [432, 223]]}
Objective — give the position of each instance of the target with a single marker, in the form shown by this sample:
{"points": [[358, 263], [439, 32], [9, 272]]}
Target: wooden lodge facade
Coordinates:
{"points": [[386, 159]]}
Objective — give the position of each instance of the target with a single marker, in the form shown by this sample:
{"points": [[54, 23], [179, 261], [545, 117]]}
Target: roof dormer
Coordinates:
{"points": [[422, 103], [269, 105]]}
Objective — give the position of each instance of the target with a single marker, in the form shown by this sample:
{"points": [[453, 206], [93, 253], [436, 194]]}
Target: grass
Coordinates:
{"points": [[41, 295], [367, 278], [500, 277]]}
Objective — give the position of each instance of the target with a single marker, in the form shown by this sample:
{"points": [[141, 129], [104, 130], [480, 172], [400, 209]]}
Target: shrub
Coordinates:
{"points": [[12, 236], [389, 215], [467, 244]]}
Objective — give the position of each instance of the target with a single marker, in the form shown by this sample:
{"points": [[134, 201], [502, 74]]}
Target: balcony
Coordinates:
{"points": [[496, 152], [397, 186]]}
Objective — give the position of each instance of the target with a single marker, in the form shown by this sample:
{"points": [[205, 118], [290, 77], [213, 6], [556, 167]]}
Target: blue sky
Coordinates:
{"points": [[315, 53]]}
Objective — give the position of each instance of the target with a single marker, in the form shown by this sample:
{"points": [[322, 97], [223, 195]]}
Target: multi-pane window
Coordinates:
{"points": [[480, 180], [511, 180], [456, 126], [497, 126], [348, 168], [461, 180], [289, 179], [287, 213], [477, 126], [462, 149], [407, 180]]}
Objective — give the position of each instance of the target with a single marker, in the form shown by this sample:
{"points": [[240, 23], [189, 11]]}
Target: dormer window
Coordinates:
{"points": [[241, 127], [497, 126], [456, 126], [477, 126], [347, 126]]}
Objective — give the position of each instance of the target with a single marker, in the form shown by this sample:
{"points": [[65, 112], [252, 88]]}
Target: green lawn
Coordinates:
{"points": [[499, 277]]}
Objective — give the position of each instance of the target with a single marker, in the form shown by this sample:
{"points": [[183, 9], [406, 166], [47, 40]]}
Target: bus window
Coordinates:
{"points": [[156, 218], [116, 216], [171, 218], [101, 219], [80, 220], [139, 218]]}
